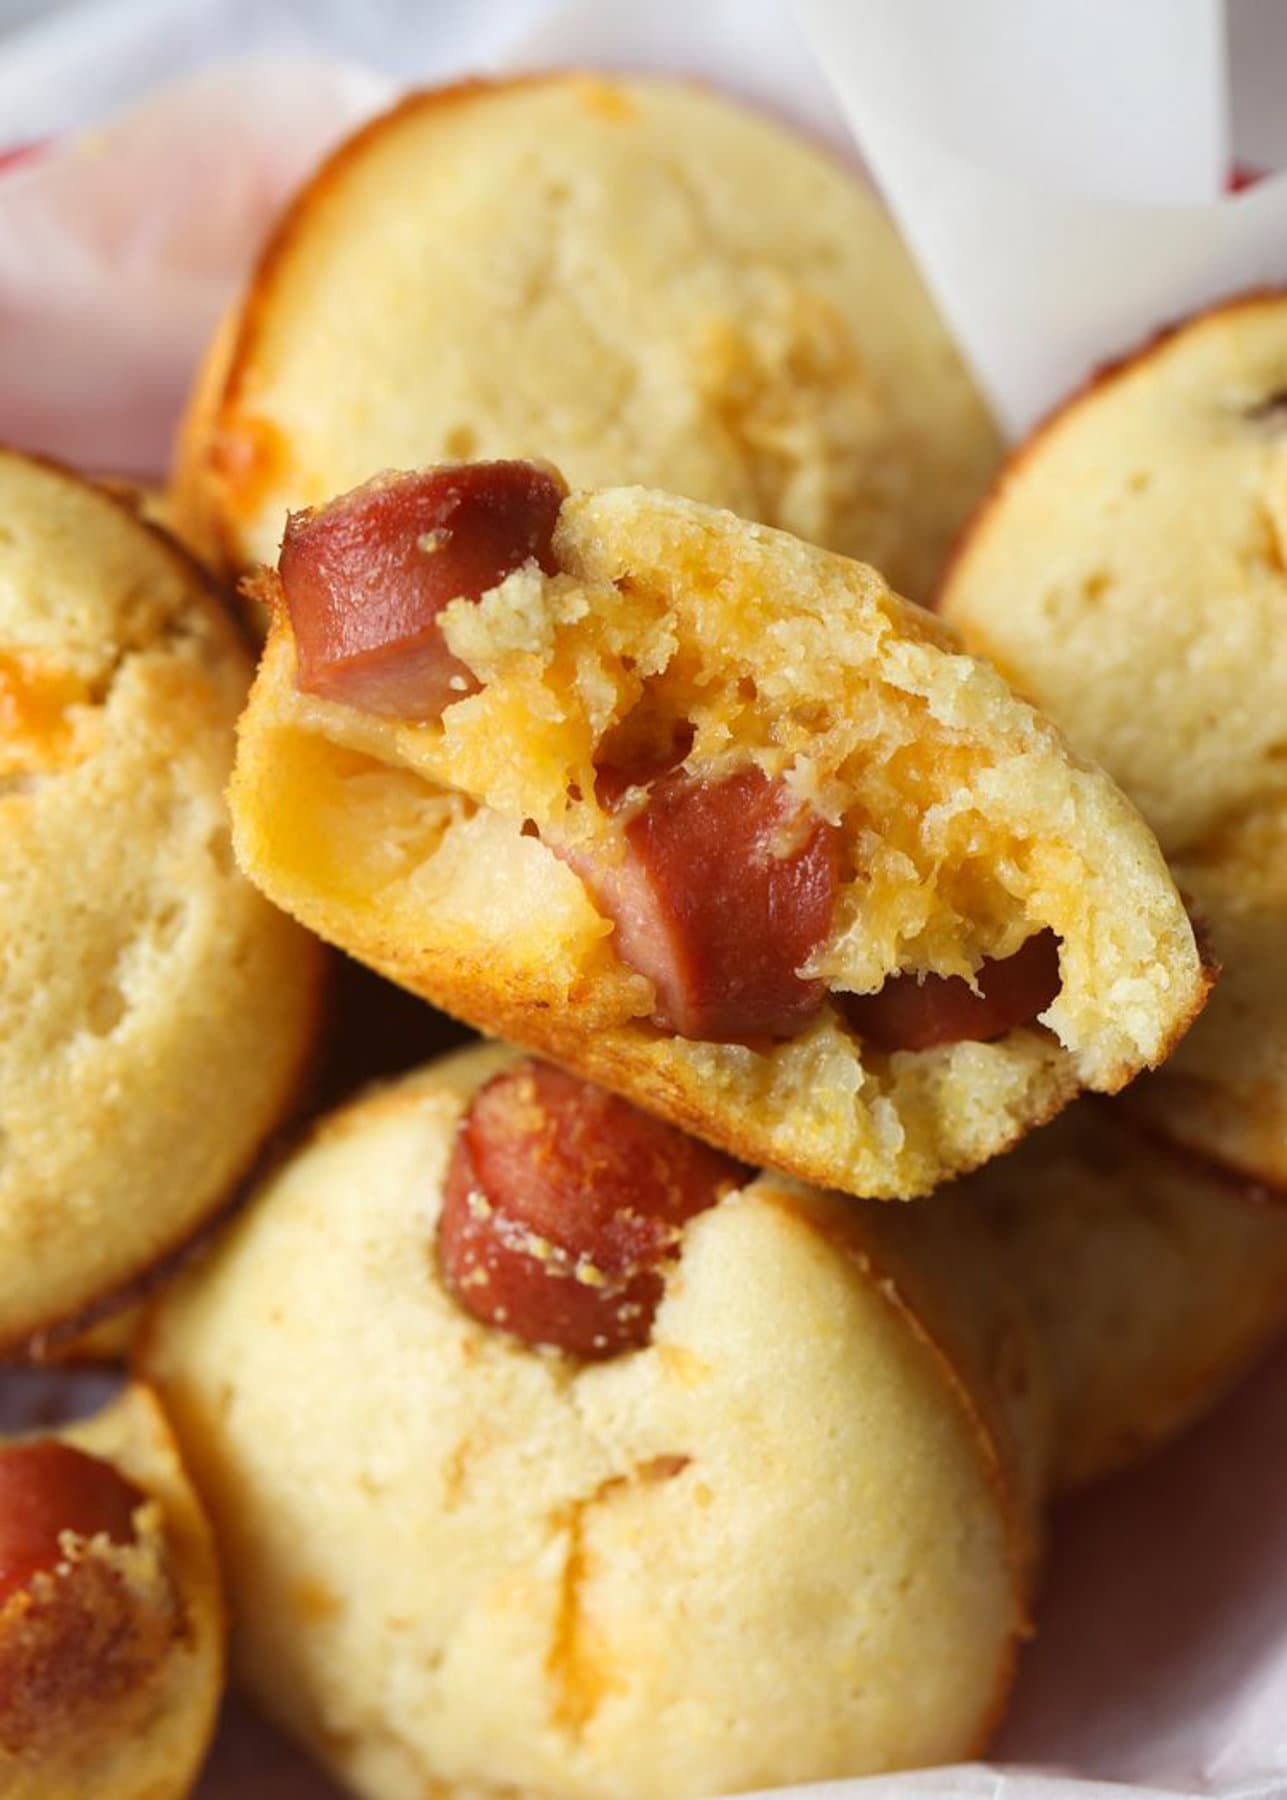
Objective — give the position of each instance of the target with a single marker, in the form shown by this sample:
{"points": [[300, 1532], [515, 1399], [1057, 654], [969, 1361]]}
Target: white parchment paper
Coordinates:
{"points": [[1161, 1656], [1059, 166]]}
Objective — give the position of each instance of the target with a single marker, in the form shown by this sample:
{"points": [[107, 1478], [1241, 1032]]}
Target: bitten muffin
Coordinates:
{"points": [[1155, 1283], [781, 1529], [1129, 573], [638, 278], [111, 1614], [155, 1010], [706, 814]]}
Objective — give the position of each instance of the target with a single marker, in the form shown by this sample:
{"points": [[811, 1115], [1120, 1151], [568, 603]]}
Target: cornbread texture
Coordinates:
{"points": [[437, 852]]}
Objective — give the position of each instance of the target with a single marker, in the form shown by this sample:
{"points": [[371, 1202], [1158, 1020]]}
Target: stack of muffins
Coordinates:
{"points": [[665, 1405]]}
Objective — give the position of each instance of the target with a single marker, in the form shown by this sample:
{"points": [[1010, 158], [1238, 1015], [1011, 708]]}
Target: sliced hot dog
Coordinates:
{"points": [[562, 1207], [365, 578], [725, 889], [47, 1488], [911, 1013]]}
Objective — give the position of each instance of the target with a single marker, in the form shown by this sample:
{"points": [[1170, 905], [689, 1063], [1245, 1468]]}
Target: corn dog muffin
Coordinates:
{"points": [[111, 1615], [704, 813], [638, 278], [155, 1011], [1155, 1283], [552, 1452], [1129, 573]]}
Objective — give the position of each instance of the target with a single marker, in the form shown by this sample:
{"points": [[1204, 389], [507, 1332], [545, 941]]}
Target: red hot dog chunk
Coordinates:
{"points": [[46, 1488], [725, 891], [911, 1014], [562, 1206], [365, 578]]}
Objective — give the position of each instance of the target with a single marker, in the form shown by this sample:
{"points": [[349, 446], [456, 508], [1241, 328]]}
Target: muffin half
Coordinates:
{"points": [[705, 813]]}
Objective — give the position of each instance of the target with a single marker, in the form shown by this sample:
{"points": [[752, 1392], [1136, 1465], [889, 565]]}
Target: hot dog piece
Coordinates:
{"points": [[909, 1013], [562, 1206], [48, 1488], [726, 889], [365, 578]]}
